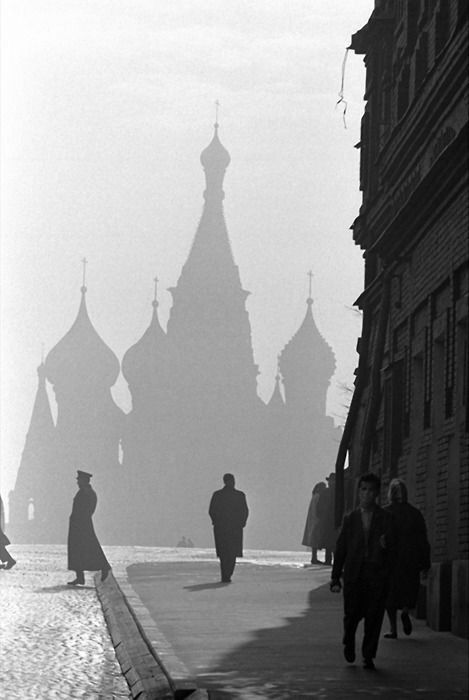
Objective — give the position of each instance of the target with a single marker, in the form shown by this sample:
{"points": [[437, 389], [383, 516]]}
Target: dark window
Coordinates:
{"points": [[421, 61], [427, 378], [442, 26], [407, 391], [403, 93], [449, 363], [413, 12], [394, 394]]}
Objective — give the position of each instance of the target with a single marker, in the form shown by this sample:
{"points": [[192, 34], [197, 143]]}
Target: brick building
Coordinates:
{"points": [[409, 415]]}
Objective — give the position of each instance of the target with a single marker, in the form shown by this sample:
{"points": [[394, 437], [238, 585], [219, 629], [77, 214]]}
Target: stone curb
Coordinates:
{"points": [[144, 671]]}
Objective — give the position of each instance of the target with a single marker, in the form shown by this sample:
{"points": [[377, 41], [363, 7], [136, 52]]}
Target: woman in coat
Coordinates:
{"points": [[311, 534], [413, 557]]}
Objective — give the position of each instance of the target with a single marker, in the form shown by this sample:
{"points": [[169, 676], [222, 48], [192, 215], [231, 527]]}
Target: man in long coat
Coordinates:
{"points": [[84, 550], [229, 512], [365, 557], [326, 515]]}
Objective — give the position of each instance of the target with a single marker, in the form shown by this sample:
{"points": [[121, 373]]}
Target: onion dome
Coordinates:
{"points": [[215, 160], [215, 155], [142, 359], [82, 356], [308, 348], [307, 364]]}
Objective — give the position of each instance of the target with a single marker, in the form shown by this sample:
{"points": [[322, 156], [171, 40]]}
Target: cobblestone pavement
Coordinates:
{"points": [[54, 643]]}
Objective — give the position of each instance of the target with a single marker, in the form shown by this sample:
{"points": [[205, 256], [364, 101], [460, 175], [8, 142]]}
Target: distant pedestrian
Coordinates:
{"points": [[413, 557], [326, 515], [229, 512], [364, 557], [5, 557], [311, 535], [84, 550]]}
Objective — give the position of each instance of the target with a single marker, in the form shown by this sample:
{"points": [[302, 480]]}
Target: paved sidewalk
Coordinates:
{"points": [[275, 633], [54, 644]]}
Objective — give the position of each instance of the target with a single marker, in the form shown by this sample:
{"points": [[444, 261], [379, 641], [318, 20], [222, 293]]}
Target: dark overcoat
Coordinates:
{"points": [[413, 555], [326, 515], [229, 513], [311, 534], [351, 547], [84, 550]]}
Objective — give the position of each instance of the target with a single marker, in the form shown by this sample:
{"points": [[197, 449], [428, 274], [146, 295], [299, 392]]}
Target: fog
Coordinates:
{"points": [[106, 108]]}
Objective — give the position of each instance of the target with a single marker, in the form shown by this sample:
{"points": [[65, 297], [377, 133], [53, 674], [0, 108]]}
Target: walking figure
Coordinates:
{"points": [[7, 560], [229, 512], [364, 556], [413, 557], [84, 550], [311, 535], [326, 515]]}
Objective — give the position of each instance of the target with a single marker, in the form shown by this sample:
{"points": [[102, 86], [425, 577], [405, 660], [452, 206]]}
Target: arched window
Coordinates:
{"points": [[31, 509]]}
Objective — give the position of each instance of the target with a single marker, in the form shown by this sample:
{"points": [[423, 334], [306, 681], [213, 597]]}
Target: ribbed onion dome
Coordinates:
{"points": [[82, 356], [141, 360], [215, 156], [308, 350]]}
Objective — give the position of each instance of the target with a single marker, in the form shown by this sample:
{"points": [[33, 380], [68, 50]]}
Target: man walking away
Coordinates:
{"points": [[84, 550], [229, 512], [364, 556]]}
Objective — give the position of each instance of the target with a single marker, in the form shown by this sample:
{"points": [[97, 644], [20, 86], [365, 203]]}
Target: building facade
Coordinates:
{"points": [[409, 416], [195, 413]]}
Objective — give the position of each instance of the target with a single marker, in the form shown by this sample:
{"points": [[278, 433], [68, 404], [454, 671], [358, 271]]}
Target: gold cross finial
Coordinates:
{"points": [[217, 107], [84, 263], [155, 280], [310, 275]]}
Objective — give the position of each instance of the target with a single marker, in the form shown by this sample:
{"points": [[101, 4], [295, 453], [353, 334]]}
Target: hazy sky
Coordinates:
{"points": [[106, 106]]}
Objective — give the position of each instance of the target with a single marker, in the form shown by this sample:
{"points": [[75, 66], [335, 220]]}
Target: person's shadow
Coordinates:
{"points": [[63, 587], [205, 586]]}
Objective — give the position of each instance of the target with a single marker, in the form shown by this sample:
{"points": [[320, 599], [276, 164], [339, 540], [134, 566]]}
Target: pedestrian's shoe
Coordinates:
{"points": [[76, 582], [10, 564], [104, 572], [406, 623], [349, 653], [368, 664], [390, 635], [226, 580]]}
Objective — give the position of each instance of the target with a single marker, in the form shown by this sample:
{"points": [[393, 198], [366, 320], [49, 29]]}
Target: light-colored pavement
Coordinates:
{"points": [[54, 643], [275, 633]]}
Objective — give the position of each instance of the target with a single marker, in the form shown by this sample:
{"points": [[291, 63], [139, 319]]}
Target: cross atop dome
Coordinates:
{"points": [[309, 300], [83, 286]]}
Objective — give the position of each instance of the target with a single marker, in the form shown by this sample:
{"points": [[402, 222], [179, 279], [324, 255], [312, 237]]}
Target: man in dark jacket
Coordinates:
{"points": [[84, 550], [229, 512], [364, 557]]}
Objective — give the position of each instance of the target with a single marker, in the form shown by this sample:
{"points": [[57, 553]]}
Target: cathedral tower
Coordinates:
{"points": [[30, 502], [209, 327]]}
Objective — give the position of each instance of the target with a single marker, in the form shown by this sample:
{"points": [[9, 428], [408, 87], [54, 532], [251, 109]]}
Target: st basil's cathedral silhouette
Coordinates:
{"points": [[195, 413]]}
